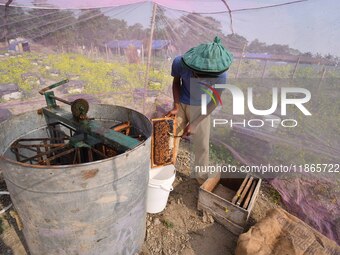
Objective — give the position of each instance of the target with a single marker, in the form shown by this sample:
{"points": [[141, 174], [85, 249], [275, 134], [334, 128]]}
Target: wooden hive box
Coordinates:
{"points": [[229, 201], [163, 142]]}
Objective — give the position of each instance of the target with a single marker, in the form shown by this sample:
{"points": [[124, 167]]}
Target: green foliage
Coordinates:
{"points": [[248, 68], [333, 73], [281, 71], [99, 76], [12, 70], [159, 80], [307, 72]]}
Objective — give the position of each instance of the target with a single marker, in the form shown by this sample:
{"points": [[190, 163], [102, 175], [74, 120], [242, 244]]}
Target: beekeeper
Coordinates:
{"points": [[195, 73]]}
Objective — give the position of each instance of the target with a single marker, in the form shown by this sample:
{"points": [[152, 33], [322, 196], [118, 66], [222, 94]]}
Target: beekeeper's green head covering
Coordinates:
{"points": [[208, 58]]}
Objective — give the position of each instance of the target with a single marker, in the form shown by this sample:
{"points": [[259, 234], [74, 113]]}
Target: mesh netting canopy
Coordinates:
{"points": [[122, 51]]}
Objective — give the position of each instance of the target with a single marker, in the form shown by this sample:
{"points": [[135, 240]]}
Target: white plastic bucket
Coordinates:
{"points": [[160, 185]]}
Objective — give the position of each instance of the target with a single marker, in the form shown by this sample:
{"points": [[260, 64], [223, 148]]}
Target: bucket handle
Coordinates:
{"points": [[169, 189], [7, 207]]}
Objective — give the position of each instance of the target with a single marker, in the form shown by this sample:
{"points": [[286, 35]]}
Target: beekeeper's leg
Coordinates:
{"points": [[200, 143], [181, 123]]}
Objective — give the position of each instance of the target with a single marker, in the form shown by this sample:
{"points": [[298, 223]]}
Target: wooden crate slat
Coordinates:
{"points": [[244, 191], [239, 191], [250, 194], [255, 194]]}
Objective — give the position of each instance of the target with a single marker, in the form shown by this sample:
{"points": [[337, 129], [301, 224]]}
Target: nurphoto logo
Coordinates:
{"points": [[238, 105]]}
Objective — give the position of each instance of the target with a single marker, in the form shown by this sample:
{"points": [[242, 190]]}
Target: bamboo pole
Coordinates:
{"points": [[295, 68], [110, 53], [321, 79], [239, 63], [142, 54], [323, 73], [107, 52], [264, 69], [148, 63], [5, 31]]}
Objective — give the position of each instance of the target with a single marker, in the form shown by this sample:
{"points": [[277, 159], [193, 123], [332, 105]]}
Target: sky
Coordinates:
{"points": [[312, 25], [309, 26]]}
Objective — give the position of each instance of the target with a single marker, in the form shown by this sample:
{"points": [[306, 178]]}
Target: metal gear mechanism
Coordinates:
{"points": [[79, 109]]}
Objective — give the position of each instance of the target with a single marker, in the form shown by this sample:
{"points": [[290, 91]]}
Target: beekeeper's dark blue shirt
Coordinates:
{"points": [[190, 94]]}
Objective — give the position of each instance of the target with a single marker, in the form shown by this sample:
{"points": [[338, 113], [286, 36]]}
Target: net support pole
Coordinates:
{"points": [[240, 61], [148, 63], [142, 54], [5, 31], [264, 69], [295, 67], [321, 79]]}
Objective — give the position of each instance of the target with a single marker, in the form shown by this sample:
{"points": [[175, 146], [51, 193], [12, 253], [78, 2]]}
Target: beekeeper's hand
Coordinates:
{"points": [[189, 130], [173, 112]]}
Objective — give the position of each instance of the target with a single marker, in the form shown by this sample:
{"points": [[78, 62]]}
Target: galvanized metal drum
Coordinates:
{"points": [[93, 208]]}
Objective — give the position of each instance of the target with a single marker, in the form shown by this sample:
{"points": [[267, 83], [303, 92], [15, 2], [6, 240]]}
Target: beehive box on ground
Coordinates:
{"points": [[230, 201]]}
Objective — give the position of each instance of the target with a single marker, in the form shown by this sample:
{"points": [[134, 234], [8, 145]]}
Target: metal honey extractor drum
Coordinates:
{"points": [[95, 206]]}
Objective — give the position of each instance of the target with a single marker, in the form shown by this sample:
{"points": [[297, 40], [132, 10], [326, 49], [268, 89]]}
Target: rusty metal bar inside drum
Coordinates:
{"points": [[59, 155], [43, 154]]}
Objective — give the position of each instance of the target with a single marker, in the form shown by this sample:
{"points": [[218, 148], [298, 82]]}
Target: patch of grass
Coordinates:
{"points": [[168, 224], [12, 70], [99, 76], [274, 196], [219, 154]]}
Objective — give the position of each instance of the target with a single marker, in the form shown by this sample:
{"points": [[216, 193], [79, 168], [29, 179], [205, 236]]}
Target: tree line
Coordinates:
{"points": [[95, 27]]}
